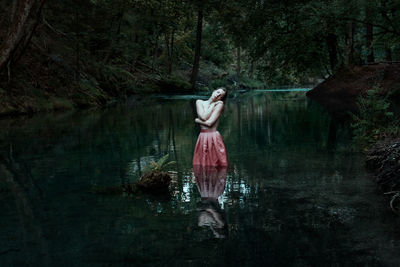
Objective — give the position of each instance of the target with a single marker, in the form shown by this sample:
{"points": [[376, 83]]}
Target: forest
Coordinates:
{"points": [[77, 54], [118, 146]]}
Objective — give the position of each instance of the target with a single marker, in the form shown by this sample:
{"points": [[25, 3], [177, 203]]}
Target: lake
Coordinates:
{"points": [[296, 192]]}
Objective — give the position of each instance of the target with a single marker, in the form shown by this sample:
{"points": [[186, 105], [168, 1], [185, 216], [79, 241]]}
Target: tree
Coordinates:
{"points": [[369, 34], [197, 50], [24, 19]]}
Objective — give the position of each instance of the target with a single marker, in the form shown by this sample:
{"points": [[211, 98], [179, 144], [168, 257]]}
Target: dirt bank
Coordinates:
{"points": [[338, 93], [383, 159]]}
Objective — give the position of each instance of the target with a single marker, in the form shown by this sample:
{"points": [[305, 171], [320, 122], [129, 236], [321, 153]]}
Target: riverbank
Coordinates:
{"points": [[44, 83], [384, 160], [51, 84], [376, 121]]}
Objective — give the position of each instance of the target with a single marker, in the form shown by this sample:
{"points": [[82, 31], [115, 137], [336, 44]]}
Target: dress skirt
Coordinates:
{"points": [[210, 149]]}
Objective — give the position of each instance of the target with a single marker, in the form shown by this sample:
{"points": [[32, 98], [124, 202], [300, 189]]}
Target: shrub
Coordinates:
{"points": [[374, 120], [174, 85]]}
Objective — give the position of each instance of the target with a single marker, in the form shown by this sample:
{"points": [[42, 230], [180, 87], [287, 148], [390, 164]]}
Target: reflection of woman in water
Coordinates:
{"points": [[210, 148], [211, 184], [210, 162]]}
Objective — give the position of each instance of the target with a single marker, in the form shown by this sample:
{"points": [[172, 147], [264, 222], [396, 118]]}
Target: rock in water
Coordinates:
{"points": [[154, 181]]}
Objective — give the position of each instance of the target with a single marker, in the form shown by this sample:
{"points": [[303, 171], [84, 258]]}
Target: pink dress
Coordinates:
{"points": [[210, 149]]}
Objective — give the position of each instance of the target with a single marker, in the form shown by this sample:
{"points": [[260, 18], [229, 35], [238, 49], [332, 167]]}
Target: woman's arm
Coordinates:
{"points": [[214, 116], [204, 114]]}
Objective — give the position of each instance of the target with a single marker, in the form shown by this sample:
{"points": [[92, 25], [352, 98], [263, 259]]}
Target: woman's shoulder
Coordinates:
{"points": [[199, 101]]}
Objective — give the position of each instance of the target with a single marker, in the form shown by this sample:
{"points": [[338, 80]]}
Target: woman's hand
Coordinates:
{"points": [[197, 120]]}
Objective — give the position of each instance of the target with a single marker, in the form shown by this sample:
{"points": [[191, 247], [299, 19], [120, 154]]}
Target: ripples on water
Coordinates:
{"points": [[295, 192]]}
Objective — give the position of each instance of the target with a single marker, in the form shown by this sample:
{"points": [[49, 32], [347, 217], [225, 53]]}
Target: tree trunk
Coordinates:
{"points": [[251, 70], [331, 41], [238, 67], [155, 50], [77, 46], [196, 63], [171, 53], [24, 19], [350, 44], [120, 16], [169, 42], [388, 54], [369, 37]]}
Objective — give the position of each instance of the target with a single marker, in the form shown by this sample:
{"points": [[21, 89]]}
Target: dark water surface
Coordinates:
{"points": [[295, 193]]}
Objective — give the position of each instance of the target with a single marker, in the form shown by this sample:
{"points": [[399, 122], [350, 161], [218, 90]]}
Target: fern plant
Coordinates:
{"points": [[161, 165]]}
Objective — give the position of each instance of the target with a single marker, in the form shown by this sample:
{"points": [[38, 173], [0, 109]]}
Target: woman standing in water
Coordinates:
{"points": [[210, 148]]}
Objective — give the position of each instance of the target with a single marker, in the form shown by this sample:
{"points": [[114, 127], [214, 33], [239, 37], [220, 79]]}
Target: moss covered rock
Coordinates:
{"points": [[154, 181]]}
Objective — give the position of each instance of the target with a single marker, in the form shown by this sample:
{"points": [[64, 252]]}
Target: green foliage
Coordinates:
{"points": [[123, 47], [374, 120], [216, 47], [115, 78], [215, 83], [173, 84], [246, 82], [161, 165]]}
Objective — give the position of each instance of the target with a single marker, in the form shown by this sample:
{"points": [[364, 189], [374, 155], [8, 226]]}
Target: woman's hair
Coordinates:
{"points": [[223, 98]]}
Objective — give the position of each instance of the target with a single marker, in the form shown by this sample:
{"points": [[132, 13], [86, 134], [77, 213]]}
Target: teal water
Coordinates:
{"points": [[296, 193]]}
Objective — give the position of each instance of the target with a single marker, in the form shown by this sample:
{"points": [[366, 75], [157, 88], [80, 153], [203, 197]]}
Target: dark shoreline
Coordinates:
{"points": [[338, 95]]}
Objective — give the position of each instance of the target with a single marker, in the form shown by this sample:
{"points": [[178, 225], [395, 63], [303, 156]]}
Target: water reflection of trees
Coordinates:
{"points": [[26, 240]]}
